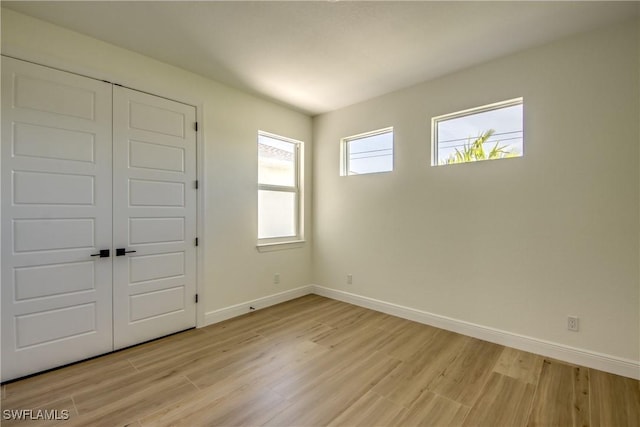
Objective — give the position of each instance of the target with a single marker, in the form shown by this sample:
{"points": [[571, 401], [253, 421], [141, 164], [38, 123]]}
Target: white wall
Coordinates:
{"points": [[517, 244], [234, 270]]}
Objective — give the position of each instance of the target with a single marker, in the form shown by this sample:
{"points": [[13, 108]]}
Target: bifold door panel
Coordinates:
{"points": [[56, 212], [154, 214], [66, 295]]}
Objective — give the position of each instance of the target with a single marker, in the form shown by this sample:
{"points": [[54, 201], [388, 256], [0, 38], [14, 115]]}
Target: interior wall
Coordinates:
{"points": [[234, 271], [517, 244]]}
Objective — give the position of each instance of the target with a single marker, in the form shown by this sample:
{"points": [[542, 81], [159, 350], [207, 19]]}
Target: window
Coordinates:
{"points": [[278, 189], [485, 133], [369, 152]]}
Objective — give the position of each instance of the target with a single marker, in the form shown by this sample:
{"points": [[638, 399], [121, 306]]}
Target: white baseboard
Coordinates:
{"points": [[219, 315], [603, 362]]}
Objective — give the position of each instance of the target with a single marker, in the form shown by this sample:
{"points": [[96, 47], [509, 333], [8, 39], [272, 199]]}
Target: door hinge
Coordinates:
{"points": [[197, 184], [196, 298], [196, 241], [196, 126]]}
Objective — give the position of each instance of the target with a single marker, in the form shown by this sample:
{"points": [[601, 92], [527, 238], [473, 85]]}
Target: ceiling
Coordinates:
{"points": [[320, 56]]}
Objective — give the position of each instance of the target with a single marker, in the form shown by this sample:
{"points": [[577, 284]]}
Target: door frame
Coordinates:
{"points": [[198, 104]]}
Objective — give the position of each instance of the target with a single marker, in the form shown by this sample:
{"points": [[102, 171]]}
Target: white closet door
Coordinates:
{"points": [[154, 209], [56, 213]]}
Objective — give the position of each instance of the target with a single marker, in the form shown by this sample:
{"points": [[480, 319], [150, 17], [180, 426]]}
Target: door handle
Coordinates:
{"points": [[122, 251], [104, 253]]}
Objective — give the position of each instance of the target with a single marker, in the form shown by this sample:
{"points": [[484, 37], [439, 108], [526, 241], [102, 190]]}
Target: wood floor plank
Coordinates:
{"points": [[285, 329], [407, 341], [309, 313], [504, 402], [338, 314], [581, 397], [370, 410], [308, 305], [164, 347], [238, 324], [122, 387], [431, 409], [464, 379], [393, 324], [112, 408], [244, 406], [319, 402], [189, 355], [519, 365], [346, 339], [339, 360], [62, 383], [196, 403], [615, 400], [352, 318], [160, 345], [412, 377], [556, 402], [260, 367]]}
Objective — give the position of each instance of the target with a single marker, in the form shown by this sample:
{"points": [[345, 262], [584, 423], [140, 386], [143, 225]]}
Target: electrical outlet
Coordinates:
{"points": [[276, 279], [349, 279], [572, 323]]}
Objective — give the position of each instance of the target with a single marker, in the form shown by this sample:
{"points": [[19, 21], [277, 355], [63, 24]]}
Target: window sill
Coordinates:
{"points": [[279, 246]]}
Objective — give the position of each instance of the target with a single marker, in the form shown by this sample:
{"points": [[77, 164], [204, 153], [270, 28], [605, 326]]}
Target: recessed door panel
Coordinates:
{"points": [[56, 212], [157, 303], [55, 325], [34, 140], [156, 230], [53, 234], [51, 95], [156, 156], [143, 192], [155, 266], [54, 280], [52, 188], [160, 119]]}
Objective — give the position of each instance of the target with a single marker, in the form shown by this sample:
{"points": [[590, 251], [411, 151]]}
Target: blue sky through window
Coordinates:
{"points": [[370, 154], [506, 121]]}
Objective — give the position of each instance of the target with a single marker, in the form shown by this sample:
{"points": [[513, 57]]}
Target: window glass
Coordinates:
{"points": [[278, 189], [276, 164], [484, 133], [368, 153], [276, 214]]}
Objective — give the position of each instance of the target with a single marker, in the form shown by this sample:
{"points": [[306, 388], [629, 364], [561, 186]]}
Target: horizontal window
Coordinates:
{"points": [[489, 132], [370, 152]]}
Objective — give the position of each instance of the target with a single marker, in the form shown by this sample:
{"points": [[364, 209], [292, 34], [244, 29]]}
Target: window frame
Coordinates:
{"points": [[468, 112], [344, 150], [296, 189]]}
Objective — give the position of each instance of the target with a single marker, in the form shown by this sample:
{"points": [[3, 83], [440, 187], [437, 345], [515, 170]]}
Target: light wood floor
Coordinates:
{"points": [[314, 361]]}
